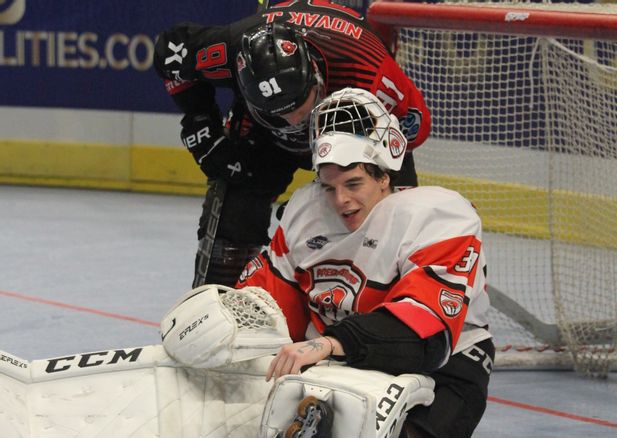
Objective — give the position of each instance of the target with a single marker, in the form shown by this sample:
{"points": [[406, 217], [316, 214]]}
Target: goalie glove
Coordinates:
{"points": [[214, 325]]}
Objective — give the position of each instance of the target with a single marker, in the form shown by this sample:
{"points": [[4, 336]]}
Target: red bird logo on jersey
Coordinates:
{"points": [[451, 303], [251, 267], [330, 299], [286, 47]]}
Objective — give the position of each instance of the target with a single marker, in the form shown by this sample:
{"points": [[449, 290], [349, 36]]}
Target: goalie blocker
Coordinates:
{"points": [[364, 403], [360, 403]]}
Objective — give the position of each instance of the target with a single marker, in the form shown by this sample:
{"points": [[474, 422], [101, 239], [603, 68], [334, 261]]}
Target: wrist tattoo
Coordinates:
{"points": [[311, 345]]}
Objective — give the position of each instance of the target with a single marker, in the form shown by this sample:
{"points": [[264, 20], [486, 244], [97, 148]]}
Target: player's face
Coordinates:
{"points": [[303, 112], [353, 193]]}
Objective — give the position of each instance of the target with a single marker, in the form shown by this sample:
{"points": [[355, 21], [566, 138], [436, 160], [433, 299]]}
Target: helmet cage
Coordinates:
{"points": [[356, 127]]}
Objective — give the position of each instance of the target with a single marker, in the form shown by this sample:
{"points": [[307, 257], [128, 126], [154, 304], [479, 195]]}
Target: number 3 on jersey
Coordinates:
{"points": [[467, 261], [269, 87]]}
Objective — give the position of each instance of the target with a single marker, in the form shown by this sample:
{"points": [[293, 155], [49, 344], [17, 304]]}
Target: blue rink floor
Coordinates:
{"points": [[86, 271]]}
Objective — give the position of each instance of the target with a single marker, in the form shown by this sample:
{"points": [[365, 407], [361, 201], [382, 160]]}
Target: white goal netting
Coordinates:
{"points": [[526, 128]]}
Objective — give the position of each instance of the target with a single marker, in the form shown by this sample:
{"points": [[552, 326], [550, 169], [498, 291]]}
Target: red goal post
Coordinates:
{"points": [[523, 101], [519, 18]]}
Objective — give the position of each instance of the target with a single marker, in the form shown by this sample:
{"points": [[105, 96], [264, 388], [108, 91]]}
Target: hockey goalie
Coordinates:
{"points": [[207, 379]]}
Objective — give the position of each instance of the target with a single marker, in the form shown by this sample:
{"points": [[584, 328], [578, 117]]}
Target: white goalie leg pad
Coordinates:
{"points": [[129, 393], [14, 381], [366, 404], [214, 325]]}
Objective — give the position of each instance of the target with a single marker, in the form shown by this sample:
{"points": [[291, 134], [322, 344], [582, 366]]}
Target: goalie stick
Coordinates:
{"points": [[551, 334], [213, 205]]}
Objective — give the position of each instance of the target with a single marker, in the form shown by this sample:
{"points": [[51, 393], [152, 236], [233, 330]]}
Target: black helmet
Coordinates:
{"points": [[275, 71]]}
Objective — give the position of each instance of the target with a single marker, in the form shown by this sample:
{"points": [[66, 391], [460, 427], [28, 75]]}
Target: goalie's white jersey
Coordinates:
{"points": [[418, 253]]}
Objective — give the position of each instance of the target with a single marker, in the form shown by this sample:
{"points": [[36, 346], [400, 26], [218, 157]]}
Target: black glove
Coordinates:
{"points": [[216, 155], [230, 161]]}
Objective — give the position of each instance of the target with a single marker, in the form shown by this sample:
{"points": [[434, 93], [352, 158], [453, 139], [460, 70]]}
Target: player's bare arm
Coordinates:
{"points": [[292, 357]]}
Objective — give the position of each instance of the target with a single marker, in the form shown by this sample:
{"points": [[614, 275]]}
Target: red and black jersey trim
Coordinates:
{"points": [[382, 286], [368, 42], [278, 274], [345, 52], [338, 83], [446, 283], [347, 68], [431, 273]]}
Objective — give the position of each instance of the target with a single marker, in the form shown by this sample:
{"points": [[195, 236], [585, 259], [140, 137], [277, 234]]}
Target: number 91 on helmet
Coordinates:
{"points": [[275, 70]]}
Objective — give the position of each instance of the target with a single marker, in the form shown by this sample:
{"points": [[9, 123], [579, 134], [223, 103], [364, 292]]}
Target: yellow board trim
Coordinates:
{"points": [[140, 168], [535, 212], [508, 208]]}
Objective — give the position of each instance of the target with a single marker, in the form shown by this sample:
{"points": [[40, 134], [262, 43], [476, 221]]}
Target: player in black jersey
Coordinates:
{"points": [[279, 63]]}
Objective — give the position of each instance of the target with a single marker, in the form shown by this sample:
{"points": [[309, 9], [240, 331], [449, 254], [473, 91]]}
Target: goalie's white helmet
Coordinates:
{"points": [[353, 126]]}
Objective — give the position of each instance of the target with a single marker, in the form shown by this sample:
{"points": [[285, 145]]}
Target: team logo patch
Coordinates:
{"points": [[240, 62], [324, 149], [397, 143], [336, 285], [330, 300], [410, 125], [317, 242], [450, 303], [251, 267], [286, 47], [178, 53]]}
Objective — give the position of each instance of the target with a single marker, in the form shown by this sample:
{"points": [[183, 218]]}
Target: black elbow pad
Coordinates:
{"points": [[380, 341], [174, 52]]}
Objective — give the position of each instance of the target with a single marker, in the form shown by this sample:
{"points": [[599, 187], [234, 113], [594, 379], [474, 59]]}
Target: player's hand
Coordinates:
{"points": [[231, 161], [292, 357], [217, 155]]}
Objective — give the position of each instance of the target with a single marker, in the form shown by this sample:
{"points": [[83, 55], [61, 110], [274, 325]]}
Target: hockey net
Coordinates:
{"points": [[524, 105]]}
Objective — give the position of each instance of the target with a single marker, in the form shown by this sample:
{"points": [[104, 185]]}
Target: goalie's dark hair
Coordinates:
{"points": [[374, 171]]}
